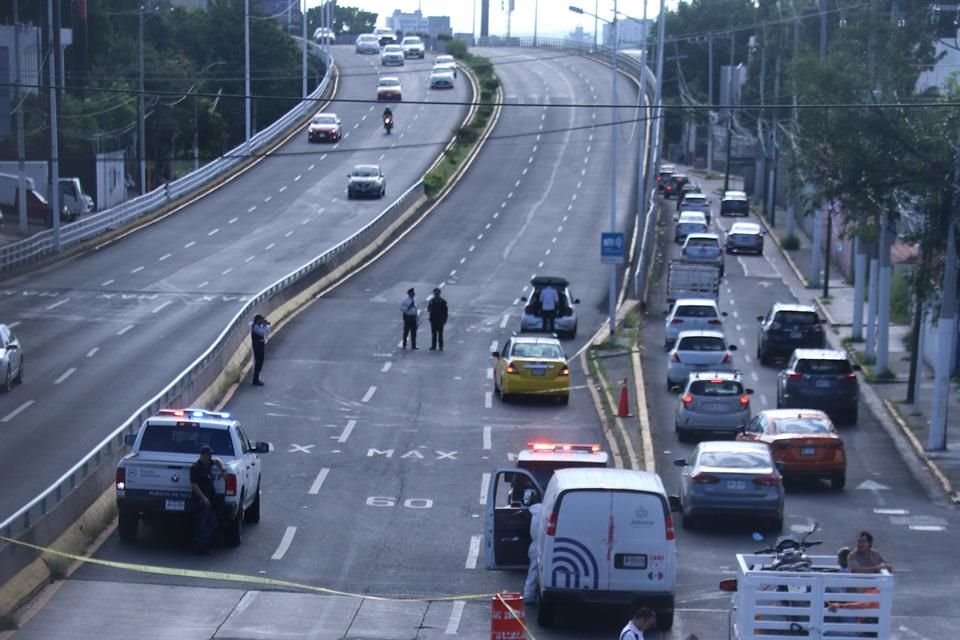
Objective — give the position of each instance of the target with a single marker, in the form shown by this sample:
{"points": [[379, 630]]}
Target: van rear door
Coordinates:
{"points": [[507, 519], [575, 557], [641, 543]]}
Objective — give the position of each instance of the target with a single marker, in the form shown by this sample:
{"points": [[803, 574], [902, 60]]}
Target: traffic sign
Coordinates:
{"points": [[612, 248]]}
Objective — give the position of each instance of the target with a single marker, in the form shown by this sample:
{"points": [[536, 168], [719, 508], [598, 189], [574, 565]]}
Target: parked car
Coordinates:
{"points": [[534, 366], [820, 379], [714, 402], [788, 326], [745, 237], [730, 478], [689, 222], [697, 351], [565, 323], [734, 203], [703, 248], [804, 443], [692, 314], [11, 359]]}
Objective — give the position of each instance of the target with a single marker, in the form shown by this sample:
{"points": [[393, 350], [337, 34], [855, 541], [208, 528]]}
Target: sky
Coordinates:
{"points": [[555, 18]]}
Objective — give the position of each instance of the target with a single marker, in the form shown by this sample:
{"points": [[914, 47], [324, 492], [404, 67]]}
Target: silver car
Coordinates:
{"points": [[392, 55], [703, 248], [366, 180], [728, 478], [697, 351], [565, 321], [692, 314], [714, 402], [11, 359], [687, 223], [441, 79], [745, 237], [367, 43]]}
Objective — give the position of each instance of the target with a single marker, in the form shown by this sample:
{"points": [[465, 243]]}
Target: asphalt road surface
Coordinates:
{"points": [[104, 332]]}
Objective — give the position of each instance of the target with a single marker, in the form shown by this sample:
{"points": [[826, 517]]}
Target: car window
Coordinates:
{"points": [[389, 82], [703, 242], [325, 120], [365, 172], [797, 317], [738, 206], [412, 40], [803, 425], [696, 311], [701, 343], [524, 350], [716, 388], [692, 227], [5, 337], [244, 441], [756, 425], [186, 440], [734, 459], [823, 367]]}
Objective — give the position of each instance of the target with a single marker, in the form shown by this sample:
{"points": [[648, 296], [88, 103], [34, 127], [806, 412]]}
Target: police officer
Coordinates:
{"points": [[410, 319], [258, 338], [204, 499], [437, 308]]}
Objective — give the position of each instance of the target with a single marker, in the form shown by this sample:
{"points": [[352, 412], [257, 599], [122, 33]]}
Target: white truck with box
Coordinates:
{"points": [[153, 480], [686, 280]]}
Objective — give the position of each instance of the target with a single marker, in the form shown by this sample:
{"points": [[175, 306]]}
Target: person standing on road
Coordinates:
{"points": [[204, 498], [536, 509], [258, 337], [864, 559], [437, 308], [410, 319], [642, 620], [548, 307]]}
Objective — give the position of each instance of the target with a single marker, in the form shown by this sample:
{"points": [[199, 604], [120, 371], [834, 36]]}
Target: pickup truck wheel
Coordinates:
{"points": [[233, 533], [127, 526], [252, 515], [19, 377]]}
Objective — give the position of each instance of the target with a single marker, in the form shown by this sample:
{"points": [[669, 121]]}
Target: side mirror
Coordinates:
{"points": [[576, 301], [666, 312], [724, 314], [130, 439], [523, 299], [759, 318], [675, 388], [857, 367], [749, 392], [680, 462], [675, 505], [728, 585], [262, 447], [732, 347], [495, 354]]}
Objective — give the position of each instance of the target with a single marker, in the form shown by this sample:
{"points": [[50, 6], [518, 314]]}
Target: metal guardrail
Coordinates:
{"points": [[17, 254]]}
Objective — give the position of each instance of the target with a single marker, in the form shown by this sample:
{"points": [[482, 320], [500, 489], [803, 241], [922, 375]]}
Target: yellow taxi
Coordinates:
{"points": [[533, 366]]}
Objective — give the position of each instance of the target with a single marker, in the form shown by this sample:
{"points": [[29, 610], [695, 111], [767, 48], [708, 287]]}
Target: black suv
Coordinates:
{"points": [[675, 185], [787, 327], [820, 379]]}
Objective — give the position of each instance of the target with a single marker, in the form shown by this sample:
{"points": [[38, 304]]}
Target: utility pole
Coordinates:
{"points": [[774, 139], [765, 185], [823, 29], [947, 327], [246, 74], [21, 144], [826, 256], [726, 177], [709, 103], [54, 137], [859, 278], [870, 348], [883, 317], [305, 45], [141, 112], [536, 14], [596, 23], [612, 306]]}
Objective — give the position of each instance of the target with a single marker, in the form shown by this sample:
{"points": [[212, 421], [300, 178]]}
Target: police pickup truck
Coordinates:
{"points": [[153, 480], [507, 520]]}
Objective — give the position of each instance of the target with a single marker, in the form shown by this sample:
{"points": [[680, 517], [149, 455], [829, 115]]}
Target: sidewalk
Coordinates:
{"points": [[911, 420]]}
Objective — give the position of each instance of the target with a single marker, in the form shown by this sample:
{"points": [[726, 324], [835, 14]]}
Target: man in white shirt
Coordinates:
{"points": [[410, 319], [548, 307], [642, 620]]}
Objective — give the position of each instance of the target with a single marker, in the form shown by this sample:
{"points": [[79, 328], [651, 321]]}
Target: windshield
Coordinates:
{"points": [[170, 439], [803, 425], [701, 343], [411, 40], [797, 317], [546, 351], [389, 82], [737, 206], [824, 367], [696, 311], [393, 48], [365, 172], [734, 459], [703, 242], [716, 388], [325, 120]]}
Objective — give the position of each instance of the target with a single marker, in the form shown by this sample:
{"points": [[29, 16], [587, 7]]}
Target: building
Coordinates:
{"points": [[579, 35], [633, 33], [416, 22]]}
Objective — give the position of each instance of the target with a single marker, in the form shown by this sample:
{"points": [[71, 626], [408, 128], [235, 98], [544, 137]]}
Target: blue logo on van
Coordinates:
{"points": [[574, 567]]}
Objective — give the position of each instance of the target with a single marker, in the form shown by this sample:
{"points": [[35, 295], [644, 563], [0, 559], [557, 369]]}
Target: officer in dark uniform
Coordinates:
{"points": [[204, 499], [258, 339], [437, 308]]}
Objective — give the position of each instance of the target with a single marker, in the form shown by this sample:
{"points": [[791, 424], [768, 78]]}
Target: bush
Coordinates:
{"points": [[790, 243], [433, 183], [456, 48], [900, 299]]}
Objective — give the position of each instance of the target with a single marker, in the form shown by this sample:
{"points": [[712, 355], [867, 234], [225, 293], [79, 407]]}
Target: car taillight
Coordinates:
{"points": [[768, 481], [726, 358], [511, 368], [704, 478], [669, 531], [565, 371], [687, 400], [793, 375], [850, 376], [676, 357], [231, 482], [121, 479], [744, 400], [552, 524], [817, 327], [677, 321], [715, 321]]}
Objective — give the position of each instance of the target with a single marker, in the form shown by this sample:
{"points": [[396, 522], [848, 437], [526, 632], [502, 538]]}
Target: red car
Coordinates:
{"points": [[325, 127]]}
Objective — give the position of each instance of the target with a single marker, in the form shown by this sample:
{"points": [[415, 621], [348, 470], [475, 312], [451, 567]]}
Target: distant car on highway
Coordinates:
{"points": [[788, 326], [392, 55], [533, 366], [745, 237], [803, 442], [324, 34], [565, 323], [388, 88], [441, 79], [730, 478], [697, 351], [695, 201], [325, 126], [689, 222], [703, 248], [714, 402], [11, 359], [692, 314], [822, 379], [367, 43], [446, 61], [666, 171], [413, 47], [366, 181], [734, 203]]}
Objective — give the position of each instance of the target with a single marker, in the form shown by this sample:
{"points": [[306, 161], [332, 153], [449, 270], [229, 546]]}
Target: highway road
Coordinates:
{"points": [[376, 484], [107, 330]]}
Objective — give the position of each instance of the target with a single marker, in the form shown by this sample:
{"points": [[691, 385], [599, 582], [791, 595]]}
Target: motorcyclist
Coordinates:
{"points": [[387, 118]]}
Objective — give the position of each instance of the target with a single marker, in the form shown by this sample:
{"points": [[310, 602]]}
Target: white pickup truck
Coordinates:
{"points": [[686, 280], [153, 480]]}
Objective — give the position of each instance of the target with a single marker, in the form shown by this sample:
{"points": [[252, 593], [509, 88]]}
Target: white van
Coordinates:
{"points": [[607, 537]]}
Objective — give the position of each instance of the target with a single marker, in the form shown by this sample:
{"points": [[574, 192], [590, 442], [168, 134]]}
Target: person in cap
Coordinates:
{"points": [[204, 499], [258, 339], [437, 308], [411, 318]]}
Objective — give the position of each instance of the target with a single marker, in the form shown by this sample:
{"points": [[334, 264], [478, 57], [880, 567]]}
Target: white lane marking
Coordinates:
{"points": [[107, 283], [516, 184], [504, 320], [484, 487], [462, 260], [58, 303], [310, 168], [288, 234], [297, 179], [509, 195], [13, 414], [284, 543], [162, 306], [496, 215], [250, 259], [480, 237], [735, 314], [524, 172], [739, 328], [503, 204], [125, 329], [489, 373], [203, 284], [547, 252], [763, 399], [583, 172], [540, 265], [137, 270], [489, 224], [494, 345], [474, 553], [537, 138], [323, 157], [453, 273], [369, 394], [488, 400], [487, 441], [530, 160], [225, 272], [891, 512], [926, 527], [189, 244], [93, 352], [743, 342], [756, 378], [347, 430], [66, 374], [214, 232], [250, 210], [306, 221], [456, 613], [386, 367], [747, 359], [164, 257], [472, 247], [270, 246], [232, 220], [554, 240]]}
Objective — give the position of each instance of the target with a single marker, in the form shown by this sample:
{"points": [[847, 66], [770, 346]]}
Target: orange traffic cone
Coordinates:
{"points": [[623, 410]]}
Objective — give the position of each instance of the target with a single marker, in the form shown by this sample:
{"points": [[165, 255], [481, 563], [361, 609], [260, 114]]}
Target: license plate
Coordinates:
{"points": [[737, 484], [175, 505], [630, 561], [714, 406], [795, 335], [699, 367], [823, 384], [808, 451], [537, 372]]}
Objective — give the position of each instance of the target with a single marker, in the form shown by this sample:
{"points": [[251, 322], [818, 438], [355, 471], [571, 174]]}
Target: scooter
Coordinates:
{"points": [[388, 124]]}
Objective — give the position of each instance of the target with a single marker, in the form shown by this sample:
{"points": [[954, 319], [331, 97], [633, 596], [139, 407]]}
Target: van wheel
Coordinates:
{"points": [[544, 612], [665, 620], [252, 514], [127, 526], [234, 530]]}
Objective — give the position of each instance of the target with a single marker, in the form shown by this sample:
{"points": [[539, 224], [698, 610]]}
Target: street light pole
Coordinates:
{"points": [[303, 60], [536, 14], [246, 74], [726, 176], [141, 127], [613, 167], [596, 22]]}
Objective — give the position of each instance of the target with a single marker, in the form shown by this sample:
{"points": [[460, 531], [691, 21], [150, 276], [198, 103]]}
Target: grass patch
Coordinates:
{"points": [[852, 340], [790, 242], [825, 300], [900, 299], [468, 135]]}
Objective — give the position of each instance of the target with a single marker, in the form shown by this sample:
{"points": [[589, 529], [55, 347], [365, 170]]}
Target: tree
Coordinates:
{"points": [[345, 20]]}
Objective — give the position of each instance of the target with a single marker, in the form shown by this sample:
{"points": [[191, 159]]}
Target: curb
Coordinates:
{"points": [[786, 254], [944, 481], [826, 313]]}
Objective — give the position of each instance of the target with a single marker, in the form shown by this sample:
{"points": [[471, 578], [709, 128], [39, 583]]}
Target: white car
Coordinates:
{"points": [[692, 314], [367, 43], [697, 351], [441, 79], [703, 248], [413, 47], [388, 88], [446, 62], [11, 359], [392, 55]]}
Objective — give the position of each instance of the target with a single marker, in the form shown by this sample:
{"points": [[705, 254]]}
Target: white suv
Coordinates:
{"points": [[413, 47]]}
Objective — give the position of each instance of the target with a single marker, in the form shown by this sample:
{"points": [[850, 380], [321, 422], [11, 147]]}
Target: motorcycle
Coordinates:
{"points": [[388, 124]]}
